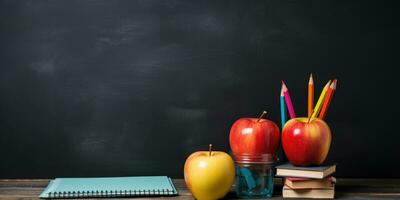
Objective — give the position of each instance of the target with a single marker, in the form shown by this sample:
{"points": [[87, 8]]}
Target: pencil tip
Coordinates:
{"points": [[333, 84], [311, 81], [284, 88], [328, 84]]}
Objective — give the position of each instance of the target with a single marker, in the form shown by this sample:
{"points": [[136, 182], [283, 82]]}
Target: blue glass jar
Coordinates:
{"points": [[254, 179]]}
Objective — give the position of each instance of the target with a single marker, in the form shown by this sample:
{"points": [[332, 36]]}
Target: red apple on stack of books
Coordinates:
{"points": [[306, 141]]}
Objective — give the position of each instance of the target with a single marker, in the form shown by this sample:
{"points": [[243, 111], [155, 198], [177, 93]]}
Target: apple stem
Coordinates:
{"points": [[210, 149], [262, 115]]}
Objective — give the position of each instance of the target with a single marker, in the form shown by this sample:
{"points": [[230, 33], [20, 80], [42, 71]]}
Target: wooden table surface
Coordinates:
{"points": [[345, 189]]}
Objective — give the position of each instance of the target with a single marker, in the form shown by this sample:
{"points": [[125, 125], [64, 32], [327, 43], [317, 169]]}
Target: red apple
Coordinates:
{"points": [[306, 143], [254, 139]]}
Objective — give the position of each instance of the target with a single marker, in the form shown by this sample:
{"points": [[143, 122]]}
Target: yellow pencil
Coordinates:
{"points": [[317, 107]]}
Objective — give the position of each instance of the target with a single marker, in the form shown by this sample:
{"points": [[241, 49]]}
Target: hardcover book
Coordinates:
{"points": [[317, 172]]}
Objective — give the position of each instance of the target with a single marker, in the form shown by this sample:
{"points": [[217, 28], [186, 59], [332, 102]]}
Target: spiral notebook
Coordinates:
{"points": [[110, 187]]}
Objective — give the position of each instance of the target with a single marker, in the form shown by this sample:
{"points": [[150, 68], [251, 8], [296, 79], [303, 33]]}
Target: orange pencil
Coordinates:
{"points": [[310, 96], [328, 99]]}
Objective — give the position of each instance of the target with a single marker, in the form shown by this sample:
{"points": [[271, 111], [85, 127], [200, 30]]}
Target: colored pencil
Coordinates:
{"points": [[310, 96], [283, 108], [328, 98], [288, 101], [318, 106]]}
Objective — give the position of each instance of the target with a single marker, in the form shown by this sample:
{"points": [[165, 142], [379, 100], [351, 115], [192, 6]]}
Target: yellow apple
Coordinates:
{"points": [[209, 174]]}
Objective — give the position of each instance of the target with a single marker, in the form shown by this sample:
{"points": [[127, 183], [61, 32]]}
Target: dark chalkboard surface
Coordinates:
{"points": [[110, 88]]}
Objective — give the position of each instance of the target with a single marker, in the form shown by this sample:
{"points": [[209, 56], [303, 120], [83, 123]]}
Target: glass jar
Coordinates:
{"points": [[254, 179]]}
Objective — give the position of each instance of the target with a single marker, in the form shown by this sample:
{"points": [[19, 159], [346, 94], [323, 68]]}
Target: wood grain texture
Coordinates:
{"points": [[345, 189]]}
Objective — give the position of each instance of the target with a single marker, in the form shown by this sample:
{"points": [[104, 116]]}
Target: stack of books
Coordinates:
{"points": [[307, 182]]}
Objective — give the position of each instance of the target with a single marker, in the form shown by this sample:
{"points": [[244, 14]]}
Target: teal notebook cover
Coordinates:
{"points": [[110, 187]]}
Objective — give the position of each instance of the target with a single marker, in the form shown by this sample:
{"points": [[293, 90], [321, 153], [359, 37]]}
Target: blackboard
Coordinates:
{"points": [[114, 88]]}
